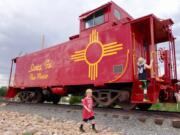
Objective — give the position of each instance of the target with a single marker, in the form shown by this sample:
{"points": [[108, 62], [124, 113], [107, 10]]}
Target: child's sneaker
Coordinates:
{"points": [[81, 129], [95, 130], [146, 99]]}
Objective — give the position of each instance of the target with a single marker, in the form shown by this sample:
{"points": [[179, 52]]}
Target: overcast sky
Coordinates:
{"points": [[22, 23]]}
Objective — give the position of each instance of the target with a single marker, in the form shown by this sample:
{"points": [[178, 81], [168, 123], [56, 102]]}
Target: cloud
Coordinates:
{"points": [[23, 22], [3, 80]]}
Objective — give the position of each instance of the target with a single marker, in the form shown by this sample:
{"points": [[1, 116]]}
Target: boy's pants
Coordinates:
{"points": [[144, 86]]}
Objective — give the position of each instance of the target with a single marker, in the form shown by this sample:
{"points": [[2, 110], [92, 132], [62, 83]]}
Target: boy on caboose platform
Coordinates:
{"points": [[142, 74]]}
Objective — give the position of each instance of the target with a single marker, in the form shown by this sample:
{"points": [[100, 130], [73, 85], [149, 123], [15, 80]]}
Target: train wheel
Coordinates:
{"points": [[31, 96], [144, 106], [163, 96], [124, 100], [23, 96], [38, 97], [56, 99]]}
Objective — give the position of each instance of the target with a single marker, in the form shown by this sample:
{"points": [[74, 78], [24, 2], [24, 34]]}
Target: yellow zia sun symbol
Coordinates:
{"points": [[106, 50]]}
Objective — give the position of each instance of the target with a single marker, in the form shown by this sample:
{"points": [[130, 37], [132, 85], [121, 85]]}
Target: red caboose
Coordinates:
{"points": [[102, 57]]}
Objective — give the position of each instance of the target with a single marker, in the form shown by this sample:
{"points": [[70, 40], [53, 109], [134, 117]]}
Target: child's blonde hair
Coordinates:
{"points": [[88, 91], [141, 61]]}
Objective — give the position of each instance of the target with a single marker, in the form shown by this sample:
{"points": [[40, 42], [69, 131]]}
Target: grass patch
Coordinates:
{"points": [[75, 100], [171, 107]]}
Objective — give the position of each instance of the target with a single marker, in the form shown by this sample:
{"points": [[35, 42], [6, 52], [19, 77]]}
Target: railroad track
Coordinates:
{"points": [[110, 113], [117, 111]]}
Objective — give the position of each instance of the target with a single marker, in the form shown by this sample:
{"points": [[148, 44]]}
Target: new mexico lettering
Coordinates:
{"points": [[36, 70]]}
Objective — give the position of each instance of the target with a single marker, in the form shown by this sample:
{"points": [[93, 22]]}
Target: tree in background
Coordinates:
{"points": [[3, 91]]}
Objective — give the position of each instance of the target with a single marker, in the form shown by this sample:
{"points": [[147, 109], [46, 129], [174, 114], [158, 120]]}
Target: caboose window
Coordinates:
{"points": [[89, 22], [99, 17], [117, 14], [95, 19]]}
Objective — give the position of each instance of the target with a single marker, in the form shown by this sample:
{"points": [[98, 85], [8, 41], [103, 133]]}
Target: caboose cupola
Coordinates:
{"points": [[103, 16], [96, 17]]}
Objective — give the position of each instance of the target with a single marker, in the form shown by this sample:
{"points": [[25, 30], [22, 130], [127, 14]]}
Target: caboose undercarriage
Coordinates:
{"points": [[103, 96], [106, 96]]}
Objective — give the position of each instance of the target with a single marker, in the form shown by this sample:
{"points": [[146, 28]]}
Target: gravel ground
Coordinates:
{"points": [[17, 122], [70, 119]]}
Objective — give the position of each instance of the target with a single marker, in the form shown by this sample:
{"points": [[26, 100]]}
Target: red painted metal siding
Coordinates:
{"points": [[55, 66]]}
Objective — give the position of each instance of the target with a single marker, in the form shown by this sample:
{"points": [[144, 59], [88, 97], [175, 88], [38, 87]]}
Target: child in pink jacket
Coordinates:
{"points": [[87, 112]]}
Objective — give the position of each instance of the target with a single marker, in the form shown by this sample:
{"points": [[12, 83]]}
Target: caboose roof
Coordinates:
{"points": [[86, 14], [161, 27]]}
